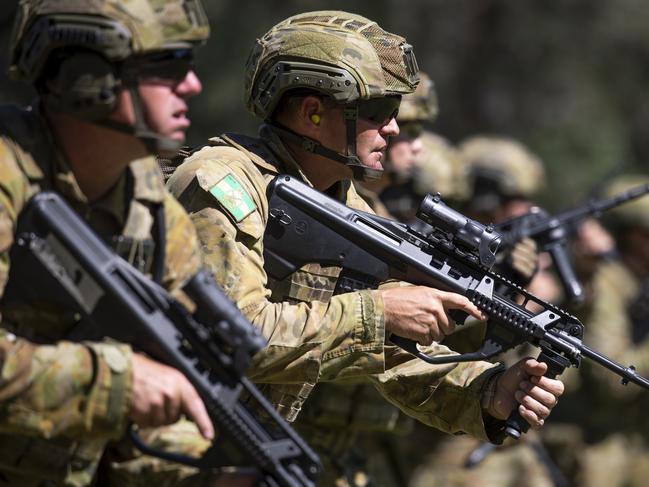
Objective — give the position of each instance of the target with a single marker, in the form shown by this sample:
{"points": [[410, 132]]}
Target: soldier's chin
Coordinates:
{"points": [[375, 161], [169, 146]]}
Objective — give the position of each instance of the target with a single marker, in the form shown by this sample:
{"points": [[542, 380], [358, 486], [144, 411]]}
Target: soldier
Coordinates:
{"points": [[113, 78], [415, 109], [503, 178], [328, 85], [616, 323]]}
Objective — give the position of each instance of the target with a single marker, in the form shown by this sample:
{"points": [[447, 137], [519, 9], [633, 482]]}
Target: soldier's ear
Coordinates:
{"points": [[311, 111]]}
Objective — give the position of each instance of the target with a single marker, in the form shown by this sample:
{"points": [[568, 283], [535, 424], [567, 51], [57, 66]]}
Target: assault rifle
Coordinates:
{"points": [[307, 226], [58, 259], [551, 233]]}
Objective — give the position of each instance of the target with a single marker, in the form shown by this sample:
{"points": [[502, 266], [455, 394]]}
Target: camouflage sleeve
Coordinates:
{"points": [[64, 388], [307, 341], [446, 397]]}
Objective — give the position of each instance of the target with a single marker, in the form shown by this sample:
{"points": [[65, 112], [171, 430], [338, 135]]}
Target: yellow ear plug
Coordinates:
{"points": [[315, 118]]}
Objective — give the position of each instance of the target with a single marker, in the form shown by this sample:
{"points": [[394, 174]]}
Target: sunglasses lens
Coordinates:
{"points": [[379, 110], [173, 64]]}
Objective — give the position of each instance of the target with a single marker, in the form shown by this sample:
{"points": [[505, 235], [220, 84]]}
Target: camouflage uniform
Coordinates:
{"points": [[373, 201], [61, 402]]}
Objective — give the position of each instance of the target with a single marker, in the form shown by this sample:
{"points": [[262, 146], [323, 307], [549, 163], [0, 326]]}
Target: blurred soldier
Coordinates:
{"points": [[113, 78], [440, 168], [616, 423], [328, 85], [504, 177]]}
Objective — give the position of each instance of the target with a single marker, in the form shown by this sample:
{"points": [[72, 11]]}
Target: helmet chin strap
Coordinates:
{"points": [[154, 142], [360, 172]]}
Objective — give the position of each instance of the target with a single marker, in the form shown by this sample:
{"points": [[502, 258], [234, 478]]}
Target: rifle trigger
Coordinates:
{"points": [[281, 216]]}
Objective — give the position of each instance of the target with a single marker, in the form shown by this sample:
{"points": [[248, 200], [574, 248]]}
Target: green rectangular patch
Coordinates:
{"points": [[233, 197]]}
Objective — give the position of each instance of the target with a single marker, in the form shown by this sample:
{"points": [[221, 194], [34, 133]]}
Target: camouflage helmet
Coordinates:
{"points": [[500, 168], [440, 169], [117, 29], [420, 106], [341, 55], [635, 213]]}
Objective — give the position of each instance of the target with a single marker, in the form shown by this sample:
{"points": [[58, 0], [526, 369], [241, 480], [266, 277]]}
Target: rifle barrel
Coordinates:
{"points": [[592, 207]]}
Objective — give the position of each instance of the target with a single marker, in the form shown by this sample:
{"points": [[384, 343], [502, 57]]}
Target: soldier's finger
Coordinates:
{"points": [[553, 386], [193, 407], [533, 367], [531, 404], [457, 301], [539, 394], [534, 421], [441, 325]]}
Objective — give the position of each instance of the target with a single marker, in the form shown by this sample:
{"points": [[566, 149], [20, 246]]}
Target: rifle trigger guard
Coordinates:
{"points": [[281, 216]]}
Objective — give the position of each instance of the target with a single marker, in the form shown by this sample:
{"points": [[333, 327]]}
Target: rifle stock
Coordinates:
{"points": [[308, 226], [56, 255]]}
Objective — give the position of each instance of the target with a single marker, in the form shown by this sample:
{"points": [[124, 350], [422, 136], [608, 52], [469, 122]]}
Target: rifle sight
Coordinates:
{"points": [[462, 231]]}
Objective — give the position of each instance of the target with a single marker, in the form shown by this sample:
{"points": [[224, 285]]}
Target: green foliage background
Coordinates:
{"points": [[570, 78]]}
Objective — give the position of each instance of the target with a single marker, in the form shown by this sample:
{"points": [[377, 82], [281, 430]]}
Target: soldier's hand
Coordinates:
{"points": [[421, 313], [523, 260], [523, 385], [161, 394], [592, 245]]}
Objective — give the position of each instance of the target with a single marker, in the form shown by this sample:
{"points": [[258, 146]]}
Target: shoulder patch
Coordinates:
{"points": [[233, 197]]}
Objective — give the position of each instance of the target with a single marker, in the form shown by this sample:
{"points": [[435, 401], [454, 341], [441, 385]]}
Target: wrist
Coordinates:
{"points": [[111, 394], [488, 397]]}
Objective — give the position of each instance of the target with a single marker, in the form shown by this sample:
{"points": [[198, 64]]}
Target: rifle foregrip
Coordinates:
{"points": [[516, 425], [569, 280]]}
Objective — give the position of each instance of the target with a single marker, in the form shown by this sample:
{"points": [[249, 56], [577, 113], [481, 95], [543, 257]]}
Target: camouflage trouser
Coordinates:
{"points": [[615, 462]]}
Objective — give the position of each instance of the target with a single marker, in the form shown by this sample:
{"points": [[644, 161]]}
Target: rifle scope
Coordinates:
{"points": [[465, 232]]}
